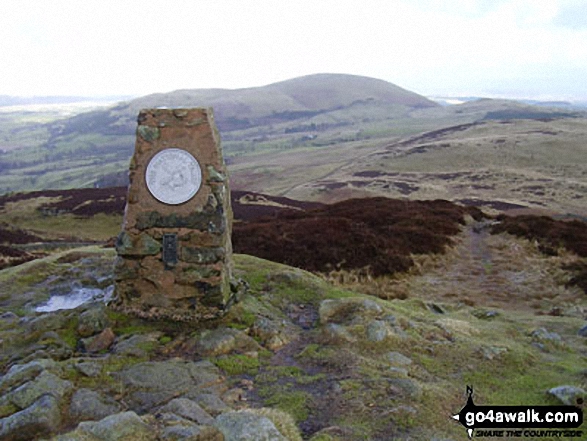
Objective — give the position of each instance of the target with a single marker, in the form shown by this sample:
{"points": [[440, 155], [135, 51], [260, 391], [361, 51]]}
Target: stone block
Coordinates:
{"points": [[175, 251]]}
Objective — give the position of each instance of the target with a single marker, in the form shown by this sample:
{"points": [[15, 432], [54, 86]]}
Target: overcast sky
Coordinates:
{"points": [[511, 48]]}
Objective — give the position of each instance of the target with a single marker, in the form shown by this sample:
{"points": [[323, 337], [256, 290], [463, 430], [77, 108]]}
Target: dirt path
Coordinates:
{"points": [[499, 271]]}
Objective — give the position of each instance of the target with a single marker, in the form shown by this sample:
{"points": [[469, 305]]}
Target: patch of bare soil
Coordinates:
{"points": [[497, 271]]}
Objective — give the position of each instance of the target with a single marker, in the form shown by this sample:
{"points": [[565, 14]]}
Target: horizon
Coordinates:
{"points": [[518, 49], [108, 99]]}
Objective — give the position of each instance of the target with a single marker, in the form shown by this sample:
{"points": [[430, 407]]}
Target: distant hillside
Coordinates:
{"points": [[94, 147], [285, 101], [317, 121]]}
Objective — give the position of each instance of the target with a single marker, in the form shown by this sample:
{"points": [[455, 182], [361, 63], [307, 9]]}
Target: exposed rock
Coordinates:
{"points": [[272, 334], [377, 330], [134, 345], [49, 321], [87, 404], [88, 368], [398, 371], [543, 339], [342, 310], [337, 334], [543, 335], [45, 383], [191, 433], [99, 342], [569, 395], [395, 358], [92, 321], [583, 331], [491, 352], [246, 426], [21, 373], [125, 426], [211, 403], [188, 409], [152, 383], [406, 387], [39, 419], [224, 341]]}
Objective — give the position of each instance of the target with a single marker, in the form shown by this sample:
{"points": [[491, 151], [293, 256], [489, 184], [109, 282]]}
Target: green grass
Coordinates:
{"points": [[237, 364], [295, 403]]}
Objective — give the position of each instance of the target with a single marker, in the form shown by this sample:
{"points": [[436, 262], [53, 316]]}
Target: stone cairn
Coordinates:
{"points": [[174, 252]]}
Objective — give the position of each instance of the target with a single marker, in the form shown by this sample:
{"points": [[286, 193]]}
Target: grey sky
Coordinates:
{"points": [[516, 48]]}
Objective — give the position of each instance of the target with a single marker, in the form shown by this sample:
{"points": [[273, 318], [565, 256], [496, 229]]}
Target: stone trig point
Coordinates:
{"points": [[174, 251]]}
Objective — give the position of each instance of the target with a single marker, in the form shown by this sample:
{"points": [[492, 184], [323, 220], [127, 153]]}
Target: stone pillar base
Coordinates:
{"points": [[175, 257]]}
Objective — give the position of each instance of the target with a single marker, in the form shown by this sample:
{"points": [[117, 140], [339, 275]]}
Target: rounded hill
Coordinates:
{"points": [[301, 97], [320, 91]]}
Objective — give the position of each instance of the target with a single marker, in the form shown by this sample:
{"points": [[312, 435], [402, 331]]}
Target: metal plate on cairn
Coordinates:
{"points": [[173, 176]]}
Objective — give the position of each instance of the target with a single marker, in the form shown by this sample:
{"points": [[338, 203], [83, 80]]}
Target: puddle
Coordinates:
{"points": [[75, 298]]}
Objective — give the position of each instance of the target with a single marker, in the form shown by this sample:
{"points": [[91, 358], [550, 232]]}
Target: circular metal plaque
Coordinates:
{"points": [[173, 176]]}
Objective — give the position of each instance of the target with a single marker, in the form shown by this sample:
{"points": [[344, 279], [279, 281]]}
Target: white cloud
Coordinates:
{"points": [[430, 46]]}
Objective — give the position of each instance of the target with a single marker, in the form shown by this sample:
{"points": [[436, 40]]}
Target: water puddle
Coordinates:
{"points": [[75, 298]]}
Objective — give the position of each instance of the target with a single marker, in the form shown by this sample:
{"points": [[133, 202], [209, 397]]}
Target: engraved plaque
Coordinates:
{"points": [[169, 253], [173, 176]]}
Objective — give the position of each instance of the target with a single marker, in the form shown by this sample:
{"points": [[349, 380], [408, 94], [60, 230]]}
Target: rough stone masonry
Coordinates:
{"points": [[174, 252]]}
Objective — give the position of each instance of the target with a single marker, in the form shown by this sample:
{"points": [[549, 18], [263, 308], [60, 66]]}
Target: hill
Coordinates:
{"points": [[302, 115]]}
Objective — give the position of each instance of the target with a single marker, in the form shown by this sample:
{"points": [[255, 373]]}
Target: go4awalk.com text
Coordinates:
{"points": [[519, 421]]}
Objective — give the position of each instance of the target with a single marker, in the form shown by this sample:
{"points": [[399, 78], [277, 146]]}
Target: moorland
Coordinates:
{"points": [[395, 251]]}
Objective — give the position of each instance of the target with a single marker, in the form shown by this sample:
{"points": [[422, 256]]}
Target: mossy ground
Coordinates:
{"points": [[323, 382], [350, 384]]}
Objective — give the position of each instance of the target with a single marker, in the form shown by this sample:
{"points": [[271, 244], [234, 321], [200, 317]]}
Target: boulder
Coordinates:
{"points": [[88, 405], [246, 426], [153, 383], [188, 409], [223, 341], [88, 368], [542, 335], [377, 330], [211, 403], [39, 419], [124, 426], [135, 344], [272, 334], [191, 433], [92, 321], [45, 383], [569, 395], [99, 342], [21, 373], [398, 359]]}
